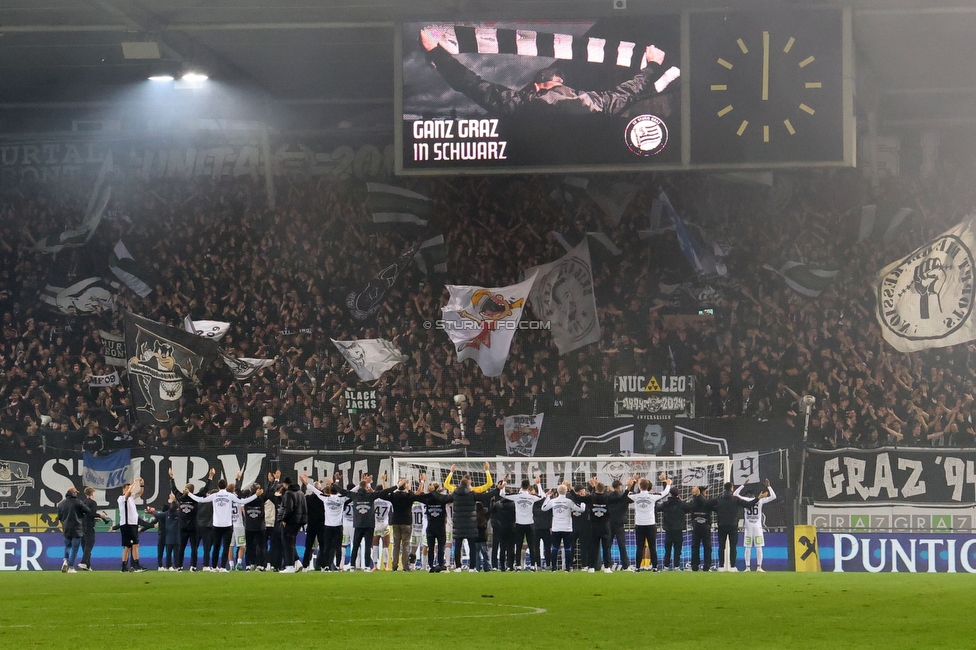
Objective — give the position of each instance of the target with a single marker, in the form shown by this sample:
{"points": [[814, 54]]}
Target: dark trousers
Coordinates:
{"points": [[313, 534], [87, 544], [221, 546], [617, 532], [581, 539], [526, 532], [254, 548], [701, 538], [672, 543], [206, 536], [330, 548], [505, 539], [599, 539], [458, 541], [170, 554], [727, 535], [276, 538], [358, 537], [192, 538], [440, 540], [544, 539], [646, 535], [566, 539], [289, 539], [160, 548]]}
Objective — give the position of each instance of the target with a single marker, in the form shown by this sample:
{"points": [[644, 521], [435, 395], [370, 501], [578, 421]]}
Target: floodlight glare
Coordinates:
{"points": [[194, 77], [161, 77]]}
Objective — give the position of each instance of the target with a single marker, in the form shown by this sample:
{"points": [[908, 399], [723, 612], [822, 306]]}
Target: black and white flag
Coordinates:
{"points": [[925, 299], [125, 268], [114, 348], [208, 329], [161, 360], [365, 303], [389, 204], [85, 296], [243, 367], [563, 297], [370, 358]]}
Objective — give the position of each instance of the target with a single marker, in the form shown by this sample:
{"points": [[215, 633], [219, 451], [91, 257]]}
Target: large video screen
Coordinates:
{"points": [[600, 94]]}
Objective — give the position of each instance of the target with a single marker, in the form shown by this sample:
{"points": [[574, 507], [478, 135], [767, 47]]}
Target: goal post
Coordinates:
{"points": [[686, 472]]}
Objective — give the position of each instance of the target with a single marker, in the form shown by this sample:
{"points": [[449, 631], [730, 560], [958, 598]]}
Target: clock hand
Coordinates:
{"points": [[765, 80]]}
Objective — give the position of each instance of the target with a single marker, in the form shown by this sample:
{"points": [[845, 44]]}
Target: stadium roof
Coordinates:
{"points": [[335, 58]]}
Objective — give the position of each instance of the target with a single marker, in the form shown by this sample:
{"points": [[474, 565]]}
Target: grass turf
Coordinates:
{"points": [[494, 610]]}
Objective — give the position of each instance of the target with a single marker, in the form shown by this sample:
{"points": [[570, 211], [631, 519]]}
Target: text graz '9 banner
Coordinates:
{"points": [[500, 96], [891, 474]]}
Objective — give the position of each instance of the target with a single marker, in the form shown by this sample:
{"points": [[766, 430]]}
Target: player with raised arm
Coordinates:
{"points": [[381, 534], [225, 501], [524, 500], [129, 523], [753, 516], [562, 508], [645, 517], [330, 550]]}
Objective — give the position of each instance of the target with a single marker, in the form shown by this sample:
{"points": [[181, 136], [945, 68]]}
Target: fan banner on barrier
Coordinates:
{"points": [[890, 474], [522, 434]]}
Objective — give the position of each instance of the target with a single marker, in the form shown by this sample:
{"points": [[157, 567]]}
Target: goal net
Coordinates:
{"points": [[686, 472]]}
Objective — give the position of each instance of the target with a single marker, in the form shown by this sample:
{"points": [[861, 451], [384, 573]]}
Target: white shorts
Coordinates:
{"points": [[418, 541], [239, 537], [753, 536], [381, 532], [346, 535]]}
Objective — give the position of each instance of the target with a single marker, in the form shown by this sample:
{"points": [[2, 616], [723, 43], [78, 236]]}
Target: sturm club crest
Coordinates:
{"points": [[929, 295], [646, 135], [562, 288]]}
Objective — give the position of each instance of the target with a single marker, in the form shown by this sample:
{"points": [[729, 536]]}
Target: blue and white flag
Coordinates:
{"points": [[702, 260], [108, 472]]}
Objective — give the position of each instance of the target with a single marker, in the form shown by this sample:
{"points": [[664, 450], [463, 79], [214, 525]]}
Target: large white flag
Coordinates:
{"points": [[208, 329], [925, 300], [482, 322], [522, 434], [563, 296], [370, 358]]}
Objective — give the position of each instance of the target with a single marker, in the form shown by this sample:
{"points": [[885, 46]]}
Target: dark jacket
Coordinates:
{"points": [[436, 503], [618, 504], [465, 513], [316, 511], [701, 511], [294, 512], [727, 509], [673, 514], [597, 509], [188, 507], [502, 515], [254, 511], [168, 525], [402, 501], [71, 514], [92, 514], [362, 506]]}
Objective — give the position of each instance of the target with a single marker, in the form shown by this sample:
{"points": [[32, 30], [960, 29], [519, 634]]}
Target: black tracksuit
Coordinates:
{"points": [[701, 532], [598, 513], [727, 509], [315, 528], [189, 531], [619, 504], [88, 536], [502, 519], [673, 519], [437, 526]]}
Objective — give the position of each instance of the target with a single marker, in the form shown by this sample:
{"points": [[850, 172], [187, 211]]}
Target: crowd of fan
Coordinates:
{"points": [[216, 251]]}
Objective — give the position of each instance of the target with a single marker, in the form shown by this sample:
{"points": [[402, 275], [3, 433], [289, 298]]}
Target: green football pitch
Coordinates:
{"points": [[493, 610]]}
